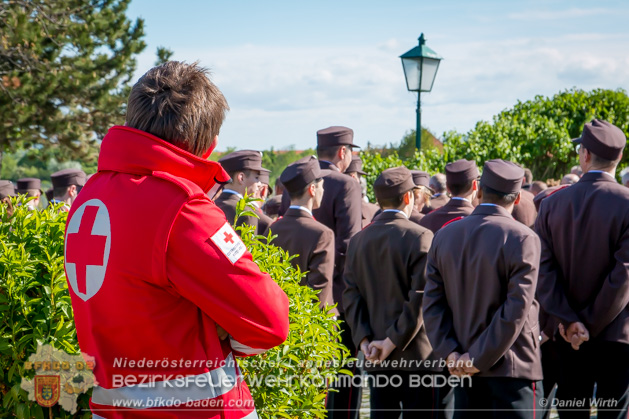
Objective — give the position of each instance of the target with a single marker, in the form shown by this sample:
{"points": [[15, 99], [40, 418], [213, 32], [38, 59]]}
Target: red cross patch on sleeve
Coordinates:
{"points": [[229, 243]]}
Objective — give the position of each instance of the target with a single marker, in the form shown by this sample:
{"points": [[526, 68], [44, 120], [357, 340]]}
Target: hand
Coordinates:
{"points": [[371, 354], [576, 334], [451, 362], [385, 347], [222, 334], [467, 364]]}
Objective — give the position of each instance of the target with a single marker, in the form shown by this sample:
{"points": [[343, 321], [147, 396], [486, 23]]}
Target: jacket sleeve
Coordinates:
{"points": [[407, 325], [613, 297], [356, 312], [550, 292], [348, 218], [245, 302], [508, 321], [321, 267], [436, 312]]}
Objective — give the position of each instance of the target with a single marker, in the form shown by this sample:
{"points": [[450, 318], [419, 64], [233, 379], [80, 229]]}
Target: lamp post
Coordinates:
{"points": [[420, 68]]}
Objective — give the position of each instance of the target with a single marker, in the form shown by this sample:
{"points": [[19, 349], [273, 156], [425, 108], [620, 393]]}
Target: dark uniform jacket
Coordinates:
{"points": [[525, 212], [455, 208], [479, 297], [385, 276], [341, 211], [227, 203], [436, 202], [264, 222], [584, 271], [416, 216], [299, 234], [369, 211]]}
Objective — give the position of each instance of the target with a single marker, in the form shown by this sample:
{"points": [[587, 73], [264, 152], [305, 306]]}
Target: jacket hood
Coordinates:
{"points": [[132, 151]]}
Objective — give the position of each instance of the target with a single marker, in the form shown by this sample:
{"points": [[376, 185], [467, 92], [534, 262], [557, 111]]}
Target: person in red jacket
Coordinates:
{"points": [[164, 292]]}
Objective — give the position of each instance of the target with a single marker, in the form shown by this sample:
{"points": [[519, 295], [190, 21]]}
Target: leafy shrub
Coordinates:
{"points": [[311, 351], [535, 133], [35, 308]]}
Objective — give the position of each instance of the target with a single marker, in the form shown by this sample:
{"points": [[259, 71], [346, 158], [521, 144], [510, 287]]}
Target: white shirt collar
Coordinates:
{"points": [[461, 199], [233, 192], [601, 171], [395, 210], [299, 207]]}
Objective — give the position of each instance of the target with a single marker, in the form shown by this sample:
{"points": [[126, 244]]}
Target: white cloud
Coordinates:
{"points": [[559, 14], [281, 95]]}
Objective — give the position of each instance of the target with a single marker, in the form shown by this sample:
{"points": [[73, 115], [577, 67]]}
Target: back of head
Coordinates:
{"points": [[569, 179], [438, 183], [178, 103]]}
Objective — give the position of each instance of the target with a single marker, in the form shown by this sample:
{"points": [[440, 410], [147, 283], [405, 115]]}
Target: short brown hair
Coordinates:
{"points": [[178, 103]]}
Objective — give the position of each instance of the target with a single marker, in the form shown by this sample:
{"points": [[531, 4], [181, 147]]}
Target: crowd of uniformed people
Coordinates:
{"points": [[520, 285]]}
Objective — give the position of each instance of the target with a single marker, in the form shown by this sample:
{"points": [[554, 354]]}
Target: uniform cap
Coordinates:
{"points": [[502, 176], [24, 184], [242, 160], [421, 178], [333, 136], [300, 174], [393, 182], [461, 172], [356, 166], [264, 176], [6, 189], [68, 177], [603, 139]]}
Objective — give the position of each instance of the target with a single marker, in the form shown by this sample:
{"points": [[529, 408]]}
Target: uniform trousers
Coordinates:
{"points": [[393, 392], [345, 402], [499, 398], [600, 362]]}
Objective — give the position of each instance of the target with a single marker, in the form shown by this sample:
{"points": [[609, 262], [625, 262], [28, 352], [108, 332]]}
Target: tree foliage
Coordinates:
{"points": [[535, 134], [64, 72]]}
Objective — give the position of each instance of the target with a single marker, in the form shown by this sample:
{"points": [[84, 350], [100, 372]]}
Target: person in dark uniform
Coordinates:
{"points": [[272, 205], [369, 210], [340, 211], [67, 184], [584, 276], [479, 305], [299, 234], [31, 187], [462, 184], [385, 276], [245, 168], [422, 194], [6, 189], [264, 220], [440, 197], [525, 212]]}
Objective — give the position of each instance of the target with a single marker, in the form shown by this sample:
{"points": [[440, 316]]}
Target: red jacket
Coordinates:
{"points": [[153, 267]]}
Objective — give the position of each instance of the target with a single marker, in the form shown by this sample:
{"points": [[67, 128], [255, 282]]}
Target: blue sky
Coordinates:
{"points": [[288, 68]]}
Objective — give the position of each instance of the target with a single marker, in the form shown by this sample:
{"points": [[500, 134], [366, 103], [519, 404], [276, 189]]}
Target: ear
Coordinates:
{"points": [[312, 188], [341, 153], [408, 196], [474, 185], [517, 200], [479, 194], [72, 190], [241, 177]]}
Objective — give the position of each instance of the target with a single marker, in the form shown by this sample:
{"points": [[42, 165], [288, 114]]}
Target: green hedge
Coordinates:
{"points": [[535, 134], [35, 309]]}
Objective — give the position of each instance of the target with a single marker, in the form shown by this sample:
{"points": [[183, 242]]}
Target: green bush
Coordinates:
{"points": [[35, 308], [535, 134], [311, 351]]}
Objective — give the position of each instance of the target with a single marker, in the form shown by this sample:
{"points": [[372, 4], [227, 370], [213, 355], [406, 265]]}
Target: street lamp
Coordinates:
{"points": [[420, 68]]}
